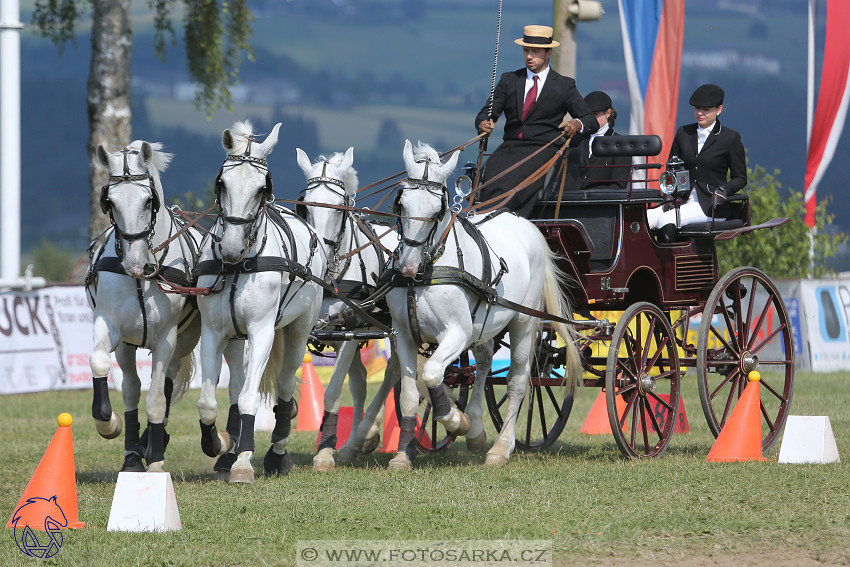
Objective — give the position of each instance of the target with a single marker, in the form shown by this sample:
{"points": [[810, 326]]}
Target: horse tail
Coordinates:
{"points": [[556, 302], [184, 376], [268, 382]]}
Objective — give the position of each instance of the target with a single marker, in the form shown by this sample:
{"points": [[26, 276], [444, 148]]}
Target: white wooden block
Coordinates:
{"points": [[808, 439], [144, 502]]}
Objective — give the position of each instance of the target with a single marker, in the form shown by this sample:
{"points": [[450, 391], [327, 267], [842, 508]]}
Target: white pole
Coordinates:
{"points": [[810, 106], [10, 139]]}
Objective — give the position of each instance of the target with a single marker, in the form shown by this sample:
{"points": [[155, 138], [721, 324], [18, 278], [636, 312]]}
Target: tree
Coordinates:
{"points": [[781, 252], [216, 33]]}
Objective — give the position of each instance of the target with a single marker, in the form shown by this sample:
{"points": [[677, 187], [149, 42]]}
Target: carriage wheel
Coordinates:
{"points": [[642, 381], [548, 401], [433, 438], [745, 327]]}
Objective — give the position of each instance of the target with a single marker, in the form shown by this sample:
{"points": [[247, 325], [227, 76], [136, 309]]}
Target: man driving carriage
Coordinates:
{"points": [[534, 100]]}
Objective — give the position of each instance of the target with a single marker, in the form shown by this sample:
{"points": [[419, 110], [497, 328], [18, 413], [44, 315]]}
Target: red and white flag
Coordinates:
{"points": [[833, 96]]}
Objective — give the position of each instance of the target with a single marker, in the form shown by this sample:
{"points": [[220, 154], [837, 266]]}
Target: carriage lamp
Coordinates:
{"points": [[675, 180]]}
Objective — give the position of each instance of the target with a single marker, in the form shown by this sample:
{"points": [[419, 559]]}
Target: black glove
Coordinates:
{"points": [[718, 196], [667, 202]]}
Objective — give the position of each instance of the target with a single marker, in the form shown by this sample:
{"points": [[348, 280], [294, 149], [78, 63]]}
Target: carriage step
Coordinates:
{"points": [[325, 336]]}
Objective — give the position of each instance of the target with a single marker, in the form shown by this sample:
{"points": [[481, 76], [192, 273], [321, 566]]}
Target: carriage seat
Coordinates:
{"points": [[622, 145]]}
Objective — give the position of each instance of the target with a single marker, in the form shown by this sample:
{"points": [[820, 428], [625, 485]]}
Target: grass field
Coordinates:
{"points": [[595, 507]]}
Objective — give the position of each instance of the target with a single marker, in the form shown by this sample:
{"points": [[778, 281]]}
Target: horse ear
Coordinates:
{"points": [[146, 153], [450, 164], [347, 159], [227, 141], [102, 156], [270, 141], [303, 161], [407, 154]]}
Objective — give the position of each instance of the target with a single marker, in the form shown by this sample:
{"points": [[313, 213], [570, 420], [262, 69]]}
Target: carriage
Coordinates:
{"points": [[648, 314]]}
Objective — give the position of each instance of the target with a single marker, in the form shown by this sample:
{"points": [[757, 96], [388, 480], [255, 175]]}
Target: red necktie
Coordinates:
{"points": [[530, 98]]}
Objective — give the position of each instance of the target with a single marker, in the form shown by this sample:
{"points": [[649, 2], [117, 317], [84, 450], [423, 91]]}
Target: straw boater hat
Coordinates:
{"points": [[537, 36]]}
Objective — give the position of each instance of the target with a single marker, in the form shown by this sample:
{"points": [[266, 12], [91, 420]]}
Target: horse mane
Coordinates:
{"points": [[242, 132], [160, 160], [423, 151], [351, 182]]}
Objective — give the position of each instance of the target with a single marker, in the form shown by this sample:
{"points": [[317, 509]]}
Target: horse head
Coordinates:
{"points": [[132, 198], [243, 188], [332, 181], [422, 204]]}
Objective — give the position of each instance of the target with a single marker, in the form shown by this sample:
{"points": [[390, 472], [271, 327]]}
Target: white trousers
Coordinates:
{"points": [[690, 212]]}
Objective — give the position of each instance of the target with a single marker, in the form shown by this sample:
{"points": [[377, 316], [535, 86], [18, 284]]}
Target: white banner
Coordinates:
{"points": [[46, 338], [826, 305]]}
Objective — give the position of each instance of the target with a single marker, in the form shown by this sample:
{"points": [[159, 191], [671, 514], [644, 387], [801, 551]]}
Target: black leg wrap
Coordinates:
{"points": [[168, 390], [407, 429], [210, 443], [131, 431], [328, 429], [233, 420], [246, 434], [224, 462], [282, 420], [274, 464], [439, 401], [155, 450], [101, 409]]}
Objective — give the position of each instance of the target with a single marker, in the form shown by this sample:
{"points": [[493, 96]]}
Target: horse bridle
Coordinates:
{"points": [[329, 182], [258, 163], [106, 204], [431, 187]]}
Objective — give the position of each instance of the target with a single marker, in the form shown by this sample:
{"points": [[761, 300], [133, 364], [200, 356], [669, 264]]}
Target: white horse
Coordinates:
{"points": [[263, 263], [131, 310], [354, 265], [435, 303]]}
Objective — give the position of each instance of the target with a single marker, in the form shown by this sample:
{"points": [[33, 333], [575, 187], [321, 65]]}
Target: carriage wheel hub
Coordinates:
{"points": [[749, 362], [647, 384]]}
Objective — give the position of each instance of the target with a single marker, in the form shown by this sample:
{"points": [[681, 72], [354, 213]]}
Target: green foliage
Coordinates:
{"points": [[782, 252], [216, 33], [53, 263]]}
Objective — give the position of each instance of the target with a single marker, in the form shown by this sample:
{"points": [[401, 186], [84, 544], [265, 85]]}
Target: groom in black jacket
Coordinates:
{"points": [[534, 101]]}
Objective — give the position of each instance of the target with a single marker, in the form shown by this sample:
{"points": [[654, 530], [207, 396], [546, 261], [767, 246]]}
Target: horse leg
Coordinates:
{"points": [[348, 358], [131, 393], [476, 439], [261, 339], [213, 442], [324, 458], [157, 402], [517, 384], [451, 346], [408, 404], [107, 422], [277, 460], [233, 352], [370, 428]]}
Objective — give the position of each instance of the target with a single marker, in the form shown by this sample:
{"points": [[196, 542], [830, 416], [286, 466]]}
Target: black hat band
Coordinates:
{"points": [[536, 39]]}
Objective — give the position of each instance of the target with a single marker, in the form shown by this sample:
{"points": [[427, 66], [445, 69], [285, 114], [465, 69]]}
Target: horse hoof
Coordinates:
{"points": [[324, 460], [401, 462], [156, 466], [463, 428], [494, 460], [274, 464], [227, 442], [346, 454], [370, 444], [241, 475], [223, 464], [477, 444], [133, 463], [110, 429]]}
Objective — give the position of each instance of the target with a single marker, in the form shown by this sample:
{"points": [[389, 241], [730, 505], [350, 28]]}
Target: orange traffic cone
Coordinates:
{"points": [[391, 429], [740, 438], [53, 485], [311, 406], [596, 422]]}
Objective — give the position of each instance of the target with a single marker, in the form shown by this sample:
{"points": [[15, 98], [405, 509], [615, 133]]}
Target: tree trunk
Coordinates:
{"points": [[110, 114]]}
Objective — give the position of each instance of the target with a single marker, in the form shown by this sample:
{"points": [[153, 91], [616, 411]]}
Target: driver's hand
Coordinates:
{"points": [[486, 126], [570, 127]]}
